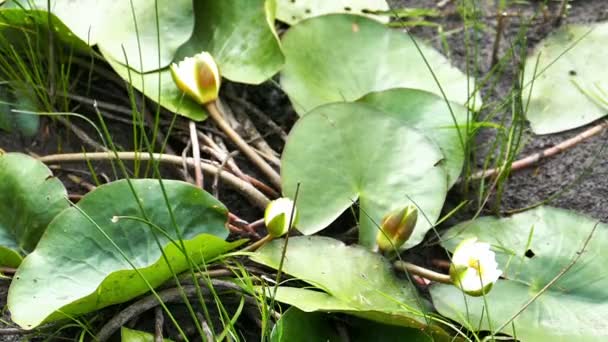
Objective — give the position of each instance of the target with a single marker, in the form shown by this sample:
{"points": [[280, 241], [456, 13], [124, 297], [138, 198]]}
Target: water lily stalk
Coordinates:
{"points": [[217, 116], [422, 272], [199, 78], [196, 155]]}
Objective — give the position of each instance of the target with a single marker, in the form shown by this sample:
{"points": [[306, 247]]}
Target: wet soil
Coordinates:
{"points": [[577, 178]]}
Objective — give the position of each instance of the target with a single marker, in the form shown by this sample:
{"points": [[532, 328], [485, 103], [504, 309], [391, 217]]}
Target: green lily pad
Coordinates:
{"points": [[532, 248], [353, 279], [128, 27], [20, 28], [299, 326], [130, 335], [240, 36], [296, 325], [342, 57], [343, 152], [30, 197], [571, 86], [430, 114], [18, 99], [293, 11], [85, 259]]}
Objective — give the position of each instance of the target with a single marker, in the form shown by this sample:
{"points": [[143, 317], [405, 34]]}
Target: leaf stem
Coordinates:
{"points": [[253, 195], [216, 115], [422, 272]]}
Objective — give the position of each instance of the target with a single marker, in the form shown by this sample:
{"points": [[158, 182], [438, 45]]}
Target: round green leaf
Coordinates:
{"points": [[532, 248], [85, 259], [130, 335], [342, 57], [342, 152], [30, 197], [296, 325], [430, 114], [299, 326], [240, 36], [354, 280], [150, 30], [571, 87], [291, 11]]}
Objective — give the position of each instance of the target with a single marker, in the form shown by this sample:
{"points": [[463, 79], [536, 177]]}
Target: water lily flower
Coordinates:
{"points": [[474, 269], [396, 228], [198, 77], [277, 216]]}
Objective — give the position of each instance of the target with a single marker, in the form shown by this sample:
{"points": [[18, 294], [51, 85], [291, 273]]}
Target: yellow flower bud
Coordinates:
{"points": [[396, 228], [277, 216], [198, 77]]}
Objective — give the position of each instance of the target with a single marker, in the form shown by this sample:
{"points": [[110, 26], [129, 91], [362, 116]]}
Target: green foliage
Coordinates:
{"points": [[126, 28], [570, 89], [96, 254], [19, 99], [296, 325], [431, 115], [344, 152], [343, 57], [344, 278], [292, 12], [532, 248], [130, 335], [30, 197], [238, 33]]}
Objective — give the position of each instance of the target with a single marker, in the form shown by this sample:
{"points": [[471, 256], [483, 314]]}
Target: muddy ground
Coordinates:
{"points": [[582, 170], [580, 173]]}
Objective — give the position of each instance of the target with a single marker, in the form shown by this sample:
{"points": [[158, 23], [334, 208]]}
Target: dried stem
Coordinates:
{"points": [[159, 321], [215, 114], [196, 154], [150, 301], [532, 159], [253, 195]]}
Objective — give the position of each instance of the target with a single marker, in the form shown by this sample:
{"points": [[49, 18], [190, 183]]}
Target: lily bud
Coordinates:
{"points": [[277, 216], [396, 228], [198, 77], [474, 269]]}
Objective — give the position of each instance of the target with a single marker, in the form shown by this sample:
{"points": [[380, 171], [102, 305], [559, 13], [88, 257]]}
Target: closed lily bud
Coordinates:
{"points": [[277, 216], [396, 228], [474, 269], [198, 77]]}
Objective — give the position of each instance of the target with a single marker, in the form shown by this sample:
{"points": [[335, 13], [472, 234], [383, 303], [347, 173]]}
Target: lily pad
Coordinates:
{"points": [[238, 33], [353, 280], [130, 335], [571, 85], [240, 36], [342, 57], [532, 248], [86, 259], [293, 11], [152, 30], [430, 114], [343, 152], [296, 325], [30, 197]]}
